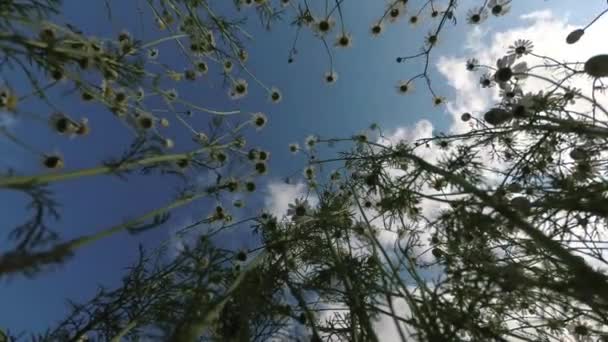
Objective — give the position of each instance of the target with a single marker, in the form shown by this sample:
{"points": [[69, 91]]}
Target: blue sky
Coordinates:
{"points": [[365, 93]]}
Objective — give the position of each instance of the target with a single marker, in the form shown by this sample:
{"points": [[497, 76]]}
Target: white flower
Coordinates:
{"points": [[499, 7], [520, 47], [259, 120], [294, 148], [344, 40], [330, 77], [309, 173], [476, 15], [274, 95], [299, 210], [239, 89], [505, 70], [310, 142], [405, 87]]}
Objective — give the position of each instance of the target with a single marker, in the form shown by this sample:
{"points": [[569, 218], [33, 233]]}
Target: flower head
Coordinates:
{"points": [[499, 7], [438, 100], [259, 120], [376, 29], [62, 124], [239, 89], [294, 148], [505, 69], [309, 173], [310, 142], [472, 64], [330, 77], [520, 47], [344, 40], [274, 95], [298, 210], [486, 81], [53, 161], [476, 15], [405, 87], [152, 54], [228, 65], [324, 25]]}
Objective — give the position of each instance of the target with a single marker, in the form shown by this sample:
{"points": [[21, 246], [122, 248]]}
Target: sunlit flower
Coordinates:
{"points": [[438, 100], [376, 29], [472, 64], [431, 39], [298, 210], [499, 7], [145, 121], [274, 95], [476, 15], [239, 89], [330, 77], [520, 47], [486, 81], [310, 142], [395, 12], [505, 69], [259, 120], [228, 65], [294, 148], [405, 87], [323, 26], [414, 20], [344, 40], [309, 173]]}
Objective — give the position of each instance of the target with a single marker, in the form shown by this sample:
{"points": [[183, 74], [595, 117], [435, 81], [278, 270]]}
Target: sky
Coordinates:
{"points": [[364, 93]]}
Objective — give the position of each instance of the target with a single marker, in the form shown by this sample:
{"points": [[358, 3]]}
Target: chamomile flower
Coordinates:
{"points": [[499, 7], [405, 87], [505, 69], [243, 55], [259, 120], [520, 47], [431, 39], [330, 77], [414, 20], [263, 155], [472, 64], [299, 209], [395, 12], [344, 40], [376, 29], [324, 25], [239, 89], [145, 121], [309, 173], [486, 81], [438, 100], [294, 148], [476, 15], [310, 142], [274, 95], [228, 65]]}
